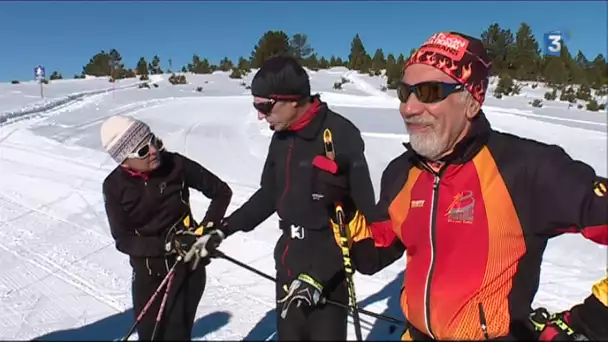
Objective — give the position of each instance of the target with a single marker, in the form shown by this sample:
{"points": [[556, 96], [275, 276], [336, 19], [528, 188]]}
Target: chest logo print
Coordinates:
{"points": [[462, 208], [417, 203]]}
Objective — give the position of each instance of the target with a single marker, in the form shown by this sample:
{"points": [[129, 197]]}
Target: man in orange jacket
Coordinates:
{"points": [[473, 207]]}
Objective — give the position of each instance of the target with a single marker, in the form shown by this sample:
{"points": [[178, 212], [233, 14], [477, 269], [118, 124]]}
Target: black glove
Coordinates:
{"points": [[181, 243], [302, 290], [556, 327]]}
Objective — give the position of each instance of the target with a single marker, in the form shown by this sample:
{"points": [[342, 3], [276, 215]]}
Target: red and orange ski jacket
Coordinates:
{"points": [[475, 231]]}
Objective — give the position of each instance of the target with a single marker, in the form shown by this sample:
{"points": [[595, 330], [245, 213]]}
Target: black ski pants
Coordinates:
{"points": [[316, 253], [184, 296]]}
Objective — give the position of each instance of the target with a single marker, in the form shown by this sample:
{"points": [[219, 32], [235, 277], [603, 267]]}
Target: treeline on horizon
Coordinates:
{"points": [[516, 56]]}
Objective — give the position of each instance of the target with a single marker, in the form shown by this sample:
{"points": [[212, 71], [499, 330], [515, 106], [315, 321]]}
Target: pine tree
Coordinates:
{"points": [[99, 65], [199, 66], [154, 66], [555, 73], [332, 61], [598, 72], [525, 54], [225, 64], [142, 67], [500, 44], [56, 76], [401, 60], [358, 59], [117, 68], [271, 44], [378, 62], [311, 62], [340, 62], [393, 70], [323, 63], [243, 65], [299, 47], [390, 60]]}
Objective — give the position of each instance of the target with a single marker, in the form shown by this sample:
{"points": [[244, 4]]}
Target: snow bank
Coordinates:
{"points": [[43, 106]]}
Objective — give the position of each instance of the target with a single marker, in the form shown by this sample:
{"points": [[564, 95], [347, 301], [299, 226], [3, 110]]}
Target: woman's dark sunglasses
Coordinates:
{"points": [[144, 151], [264, 107], [428, 92]]}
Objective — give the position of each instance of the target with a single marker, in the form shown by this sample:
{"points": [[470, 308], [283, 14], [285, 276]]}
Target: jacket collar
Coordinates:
{"points": [[312, 129], [468, 147]]}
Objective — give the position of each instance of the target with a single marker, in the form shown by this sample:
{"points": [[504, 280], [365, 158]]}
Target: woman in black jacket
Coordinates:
{"points": [[147, 205]]}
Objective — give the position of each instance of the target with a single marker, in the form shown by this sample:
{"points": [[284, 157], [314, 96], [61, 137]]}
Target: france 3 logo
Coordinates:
{"points": [[553, 42]]}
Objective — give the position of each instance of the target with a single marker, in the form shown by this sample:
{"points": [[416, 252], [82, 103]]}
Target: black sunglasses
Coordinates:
{"points": [[428, 92], [265, 107], [144, 151]]}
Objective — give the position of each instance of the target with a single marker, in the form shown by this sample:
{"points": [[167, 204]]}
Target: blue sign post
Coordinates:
{"points": [[40, 74]]}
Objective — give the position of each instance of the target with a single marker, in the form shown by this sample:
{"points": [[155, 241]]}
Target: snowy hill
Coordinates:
{"points": [[63, 279]]}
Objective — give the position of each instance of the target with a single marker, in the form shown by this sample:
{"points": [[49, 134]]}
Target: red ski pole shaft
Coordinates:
{"points": [[150, 301], [161, 310]]}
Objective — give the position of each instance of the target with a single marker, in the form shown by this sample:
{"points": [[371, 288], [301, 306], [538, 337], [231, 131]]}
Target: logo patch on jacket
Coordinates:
{"points": [[599, 189], [462, 208]]}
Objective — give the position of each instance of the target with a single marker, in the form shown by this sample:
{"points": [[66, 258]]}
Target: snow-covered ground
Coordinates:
{"points": [[61, 277]]}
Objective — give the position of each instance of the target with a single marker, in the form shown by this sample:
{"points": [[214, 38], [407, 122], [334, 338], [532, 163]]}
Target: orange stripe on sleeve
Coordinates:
{"points": [[400, 206]]}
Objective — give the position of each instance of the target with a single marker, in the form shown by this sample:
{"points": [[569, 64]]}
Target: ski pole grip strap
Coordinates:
{"points": [[310, 280]]}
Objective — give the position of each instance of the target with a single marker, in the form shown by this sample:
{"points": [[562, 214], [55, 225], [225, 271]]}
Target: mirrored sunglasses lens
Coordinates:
{"points": [[403, 92], [429, 92]]}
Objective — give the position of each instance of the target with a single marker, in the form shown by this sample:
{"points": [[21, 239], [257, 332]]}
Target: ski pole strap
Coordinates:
{"points": [[310, 280], [541, 318]]}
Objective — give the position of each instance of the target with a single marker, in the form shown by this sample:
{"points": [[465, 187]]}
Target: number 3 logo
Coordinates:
{"points": [[555, 43]]}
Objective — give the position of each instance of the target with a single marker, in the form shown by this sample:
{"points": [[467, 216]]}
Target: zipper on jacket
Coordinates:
{"points": [[432, 228], [287, 162], [482, 321]]}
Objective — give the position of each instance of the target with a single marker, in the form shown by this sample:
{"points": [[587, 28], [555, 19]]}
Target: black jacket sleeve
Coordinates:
{"points": [[570, 197], [360, 183], [259, 206], [203, 180], [124, 234], [372, 255], [590, 317]]}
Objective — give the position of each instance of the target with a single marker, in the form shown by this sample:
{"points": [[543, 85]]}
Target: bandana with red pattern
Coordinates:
{"points": [[461, 57]]}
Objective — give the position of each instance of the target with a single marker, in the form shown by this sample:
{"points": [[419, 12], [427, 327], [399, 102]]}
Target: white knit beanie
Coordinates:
{"points": [[120, 136]]}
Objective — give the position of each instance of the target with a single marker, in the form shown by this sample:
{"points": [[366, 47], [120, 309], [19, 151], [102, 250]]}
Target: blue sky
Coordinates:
{"points": [[64, 35]]}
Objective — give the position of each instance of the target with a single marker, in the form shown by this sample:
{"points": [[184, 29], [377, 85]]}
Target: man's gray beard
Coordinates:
{"points": [[428, 145]]}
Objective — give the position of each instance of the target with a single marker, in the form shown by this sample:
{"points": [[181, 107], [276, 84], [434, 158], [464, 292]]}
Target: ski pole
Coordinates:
{"points": [[219, 254], [330, 153], [161, 310], [151, 300], [349, 271]]}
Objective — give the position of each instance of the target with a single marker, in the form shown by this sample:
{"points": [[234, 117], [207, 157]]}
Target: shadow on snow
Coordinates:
{"points": [[116, 326]]}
